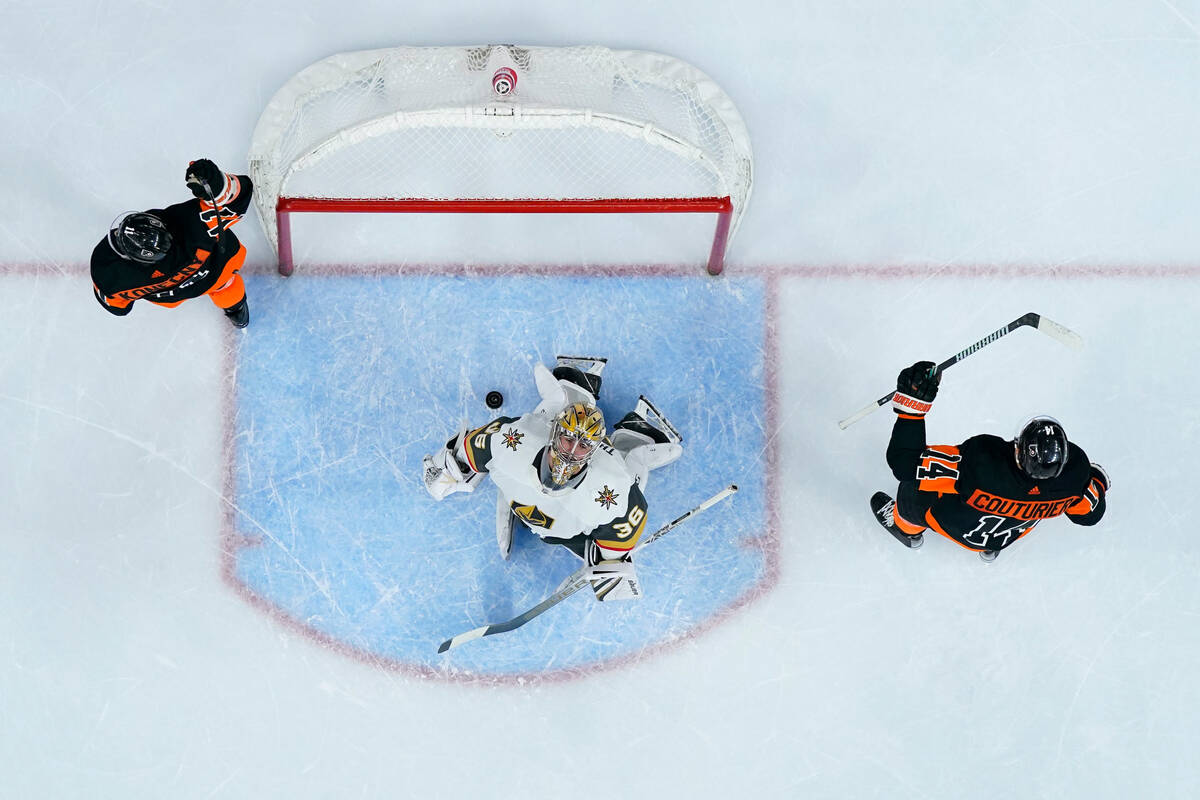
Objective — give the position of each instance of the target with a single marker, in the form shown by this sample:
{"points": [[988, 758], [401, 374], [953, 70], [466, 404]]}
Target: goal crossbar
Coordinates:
{"points": [[721, 206]]}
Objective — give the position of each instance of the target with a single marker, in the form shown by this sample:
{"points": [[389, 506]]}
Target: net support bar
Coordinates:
{"points": [[721, 206]]}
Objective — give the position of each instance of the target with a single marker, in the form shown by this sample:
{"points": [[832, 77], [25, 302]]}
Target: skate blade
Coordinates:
{"points": [[590, 364], [649, 412]]}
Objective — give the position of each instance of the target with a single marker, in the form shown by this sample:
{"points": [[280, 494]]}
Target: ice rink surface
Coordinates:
{"points": [[213, 545], [341, 536]]}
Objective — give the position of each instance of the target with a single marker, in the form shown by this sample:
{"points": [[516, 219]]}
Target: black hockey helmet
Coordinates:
{"points": [[139, 236], [1041, 448]]}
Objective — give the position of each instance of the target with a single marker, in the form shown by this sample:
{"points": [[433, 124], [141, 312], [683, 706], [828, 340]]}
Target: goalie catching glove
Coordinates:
{"points": [[444, 474], [611, 579], [916, 389]]}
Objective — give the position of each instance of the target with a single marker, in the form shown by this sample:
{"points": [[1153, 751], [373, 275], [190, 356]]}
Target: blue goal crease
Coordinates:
{"points": [[337, 400]]}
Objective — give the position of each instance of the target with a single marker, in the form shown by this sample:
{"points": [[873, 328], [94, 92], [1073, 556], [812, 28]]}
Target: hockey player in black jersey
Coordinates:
{"points": [[987, 492], [168, 255]]}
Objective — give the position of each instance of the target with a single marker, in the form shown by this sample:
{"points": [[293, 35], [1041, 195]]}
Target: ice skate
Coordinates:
{"points": [[648, 420], [593, 365], [583, 371], [884, 509], [239, 314]]}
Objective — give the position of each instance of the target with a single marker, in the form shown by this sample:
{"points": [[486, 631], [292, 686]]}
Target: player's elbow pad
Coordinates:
{"points": [[1091, 517], [1091, 507], [116, 311], [903, 463]]}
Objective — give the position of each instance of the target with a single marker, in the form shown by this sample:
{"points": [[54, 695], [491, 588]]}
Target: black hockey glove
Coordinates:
{"points": [[915, 389], [202, 171], [1100, 476]]}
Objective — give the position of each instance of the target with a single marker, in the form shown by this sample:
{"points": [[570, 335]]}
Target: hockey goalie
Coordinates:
{"points": [[558, 474]]}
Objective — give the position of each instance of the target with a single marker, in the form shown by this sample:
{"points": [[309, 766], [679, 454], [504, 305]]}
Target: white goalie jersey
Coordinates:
{"points": [[603, 503], [606, 504]]}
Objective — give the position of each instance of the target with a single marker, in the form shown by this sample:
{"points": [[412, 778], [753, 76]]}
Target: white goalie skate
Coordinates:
{"points": [[593, 365], [647, 439], [649, 412], [582, 372]]}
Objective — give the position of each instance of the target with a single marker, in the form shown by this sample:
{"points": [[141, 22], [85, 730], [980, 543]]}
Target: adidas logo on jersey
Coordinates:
{"points": [[1035, 490]]}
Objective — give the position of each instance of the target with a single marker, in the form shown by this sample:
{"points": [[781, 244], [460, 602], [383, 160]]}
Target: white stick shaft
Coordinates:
{"points": [[857, 415], [709, 503], [1047, 326], [574, 582]]}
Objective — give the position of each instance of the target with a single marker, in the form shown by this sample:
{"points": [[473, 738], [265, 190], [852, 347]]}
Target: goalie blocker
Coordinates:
{"points": [[559, 475]]}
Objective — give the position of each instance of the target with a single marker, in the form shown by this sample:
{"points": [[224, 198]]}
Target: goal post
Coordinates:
{"points": [[500, 129]]}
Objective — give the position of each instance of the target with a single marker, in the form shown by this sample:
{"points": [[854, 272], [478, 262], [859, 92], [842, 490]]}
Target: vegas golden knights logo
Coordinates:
{"points": [[532, 515], [607, 497]]}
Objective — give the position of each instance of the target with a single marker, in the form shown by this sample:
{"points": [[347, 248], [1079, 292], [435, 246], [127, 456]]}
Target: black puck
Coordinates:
{"points": [[494, 399]]}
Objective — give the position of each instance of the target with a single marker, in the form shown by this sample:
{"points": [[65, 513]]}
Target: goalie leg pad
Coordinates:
{"points": [[582, 372], [579, 379], [506, 525], [554, 397], [611, 578], [642, 459], [614, 580], [575, 379], [644, 445]]}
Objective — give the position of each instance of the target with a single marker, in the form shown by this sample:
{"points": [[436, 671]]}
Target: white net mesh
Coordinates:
{"points": [[425, 122]]}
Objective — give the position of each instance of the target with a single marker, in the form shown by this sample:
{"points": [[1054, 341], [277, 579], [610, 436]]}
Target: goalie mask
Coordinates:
{"points": [[141, 237], [1041, 447], [577, 432]]}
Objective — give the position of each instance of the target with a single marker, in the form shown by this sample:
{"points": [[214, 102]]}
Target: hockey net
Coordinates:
{"points": [[500, 129]]}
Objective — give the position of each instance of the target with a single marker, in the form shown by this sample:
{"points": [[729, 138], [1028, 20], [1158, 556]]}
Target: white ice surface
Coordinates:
{"points": [[1058, 135]]}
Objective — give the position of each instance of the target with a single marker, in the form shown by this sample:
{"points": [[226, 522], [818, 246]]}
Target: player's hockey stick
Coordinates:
{"points": [[1047, 326], [212, 198], [576, 581]]}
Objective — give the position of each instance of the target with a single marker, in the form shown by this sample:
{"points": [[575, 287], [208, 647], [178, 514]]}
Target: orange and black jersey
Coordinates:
{"points": [[186, 271], [975, 493]]}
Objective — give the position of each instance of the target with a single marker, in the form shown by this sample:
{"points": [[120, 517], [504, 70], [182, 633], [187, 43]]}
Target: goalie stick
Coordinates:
{"points": [[575, 581], [1047, 326]]}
